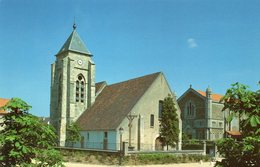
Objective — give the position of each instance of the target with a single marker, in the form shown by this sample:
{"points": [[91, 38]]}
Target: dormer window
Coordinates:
{"points": [[80, 89]]}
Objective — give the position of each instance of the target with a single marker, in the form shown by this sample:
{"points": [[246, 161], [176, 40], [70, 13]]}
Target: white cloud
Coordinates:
{"points": [[192, 43]]}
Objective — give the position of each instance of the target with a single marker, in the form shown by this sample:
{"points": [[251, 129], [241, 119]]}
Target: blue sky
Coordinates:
{"points": [[204, 42]]}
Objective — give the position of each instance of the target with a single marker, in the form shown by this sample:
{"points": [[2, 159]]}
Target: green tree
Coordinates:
{"points": [[73, 134], [25, 138], [245, 104], [169, 123]]}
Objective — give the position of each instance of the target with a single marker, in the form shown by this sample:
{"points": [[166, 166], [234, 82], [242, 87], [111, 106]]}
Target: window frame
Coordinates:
{"points": [[160, 108], [80, 91], [152, 120]]}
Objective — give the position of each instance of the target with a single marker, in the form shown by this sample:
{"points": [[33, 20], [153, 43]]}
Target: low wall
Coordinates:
{"points": [[170, 152], [87, 150]]}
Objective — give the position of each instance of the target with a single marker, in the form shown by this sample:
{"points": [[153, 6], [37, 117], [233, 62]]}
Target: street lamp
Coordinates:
{"points": [[121, 131]]}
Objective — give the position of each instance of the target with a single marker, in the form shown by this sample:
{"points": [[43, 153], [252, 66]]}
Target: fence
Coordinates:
{"points": [[208, 146], [95, 145], [188, 147]]}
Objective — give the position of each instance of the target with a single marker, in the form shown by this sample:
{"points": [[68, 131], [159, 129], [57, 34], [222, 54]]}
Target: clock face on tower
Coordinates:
{"points": [[80, 62]]}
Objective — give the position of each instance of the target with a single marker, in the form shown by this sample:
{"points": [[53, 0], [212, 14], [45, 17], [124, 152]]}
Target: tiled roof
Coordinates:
{"points": [[74, 43], [114, 103], [215, 97], [234, 133], [3, 103]]}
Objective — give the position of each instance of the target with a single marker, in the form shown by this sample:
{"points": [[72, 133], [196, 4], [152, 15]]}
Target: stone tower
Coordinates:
{"points": [[72, 84]]}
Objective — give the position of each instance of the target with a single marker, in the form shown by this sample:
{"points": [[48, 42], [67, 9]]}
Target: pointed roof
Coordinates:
{"points": [[114, 103], [190, 90], [74, 43], [202, 94]]}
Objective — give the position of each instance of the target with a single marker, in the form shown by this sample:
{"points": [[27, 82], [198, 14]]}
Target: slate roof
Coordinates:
{"points": [[3, 102], [74, 43], [214, 97], [114, 103]]}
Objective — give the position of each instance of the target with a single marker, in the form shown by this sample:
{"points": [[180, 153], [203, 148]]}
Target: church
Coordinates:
{"points": [[107, 114], [202, 115]]}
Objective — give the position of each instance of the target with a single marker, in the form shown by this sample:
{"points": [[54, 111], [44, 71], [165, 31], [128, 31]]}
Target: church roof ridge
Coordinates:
{"points": [[136, 78], [74, 43]]}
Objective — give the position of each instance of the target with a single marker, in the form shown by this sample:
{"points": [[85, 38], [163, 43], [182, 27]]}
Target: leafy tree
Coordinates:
{"points": [[73, 134], [169, 123], [185, 137], [245, 104], [25, 138]]}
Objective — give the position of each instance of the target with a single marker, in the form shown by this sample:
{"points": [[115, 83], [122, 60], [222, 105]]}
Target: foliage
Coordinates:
{"points": [[73, 134], [192, 144], [132, 160], [242, 153], [185, 137], [169, 123], [245, 104], [24, 137], [165, 158]]}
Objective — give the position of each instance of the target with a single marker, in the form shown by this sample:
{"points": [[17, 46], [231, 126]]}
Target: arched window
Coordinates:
{"points": [[80, 89], [190, 109]]}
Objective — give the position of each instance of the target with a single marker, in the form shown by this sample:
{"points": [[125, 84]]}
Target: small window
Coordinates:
{"points": [[214, 124], [160, 108], [220, 124], [105, 135], [152, 120], [201, 123]]}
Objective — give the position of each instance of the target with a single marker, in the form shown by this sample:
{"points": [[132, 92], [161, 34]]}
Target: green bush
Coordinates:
{"points": [[135, 159]]}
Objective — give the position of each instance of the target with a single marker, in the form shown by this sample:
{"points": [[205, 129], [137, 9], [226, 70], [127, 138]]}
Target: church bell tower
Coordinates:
{"points": [[72, 84]]}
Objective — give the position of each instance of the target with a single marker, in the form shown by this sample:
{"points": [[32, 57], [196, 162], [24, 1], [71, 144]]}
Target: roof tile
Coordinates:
{"points": [[114, 103], [3, 102], [215, 97]]}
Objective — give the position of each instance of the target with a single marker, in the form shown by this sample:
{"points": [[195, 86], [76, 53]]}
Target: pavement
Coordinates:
{"points": [[199, 164]]}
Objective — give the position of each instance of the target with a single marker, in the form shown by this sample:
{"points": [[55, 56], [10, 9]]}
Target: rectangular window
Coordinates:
{"points": [[160, 108], [201, 123], [105, 135], [220, 124], [82, 142], [152, 120]]}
